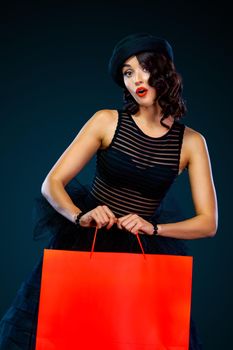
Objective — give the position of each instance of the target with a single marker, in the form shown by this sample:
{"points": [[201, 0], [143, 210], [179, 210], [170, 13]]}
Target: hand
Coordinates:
{"points": [[99, 216], [135, 224]]}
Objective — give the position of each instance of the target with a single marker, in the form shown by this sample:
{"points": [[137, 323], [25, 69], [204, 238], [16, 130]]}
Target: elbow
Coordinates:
{"points": [[48, 185], [212, 229], [208, 224], [212, 233], [45, 187]]}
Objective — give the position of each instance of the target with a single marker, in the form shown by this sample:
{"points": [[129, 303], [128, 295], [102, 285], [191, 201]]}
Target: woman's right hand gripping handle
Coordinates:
{"points": [[100, 216]]}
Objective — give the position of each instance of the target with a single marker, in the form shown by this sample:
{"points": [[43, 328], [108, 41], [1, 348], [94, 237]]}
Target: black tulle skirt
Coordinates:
{"points": [[18, 325]]}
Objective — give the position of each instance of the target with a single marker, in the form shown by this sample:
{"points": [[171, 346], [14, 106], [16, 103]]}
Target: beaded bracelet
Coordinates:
{"points": [[79, 215], [155, 232]]}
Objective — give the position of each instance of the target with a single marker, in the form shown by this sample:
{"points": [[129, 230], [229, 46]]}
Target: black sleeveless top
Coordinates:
{"points": [[135, 171]]}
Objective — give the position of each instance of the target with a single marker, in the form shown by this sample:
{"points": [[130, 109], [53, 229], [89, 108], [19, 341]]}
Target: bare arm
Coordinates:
{"points": [[205, 223], [71, 162]]}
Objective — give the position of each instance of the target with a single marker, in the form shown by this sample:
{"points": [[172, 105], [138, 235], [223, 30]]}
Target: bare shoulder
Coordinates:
{"points": [[194, 144], [101, 124], [193, 138], [105, 115], [106, 120]]}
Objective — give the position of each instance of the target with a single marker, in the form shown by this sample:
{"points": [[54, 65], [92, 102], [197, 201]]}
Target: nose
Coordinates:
{"points": [[138, 78], [138, 82]]}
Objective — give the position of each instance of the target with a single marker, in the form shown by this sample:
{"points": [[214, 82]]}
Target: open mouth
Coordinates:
{"points": [[141, 92]]}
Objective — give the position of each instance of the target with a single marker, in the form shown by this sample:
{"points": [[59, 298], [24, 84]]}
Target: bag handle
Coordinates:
{"points": [[94, 239]]}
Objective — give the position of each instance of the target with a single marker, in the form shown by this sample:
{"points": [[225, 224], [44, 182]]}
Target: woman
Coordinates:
{"points": [[140, 151]]}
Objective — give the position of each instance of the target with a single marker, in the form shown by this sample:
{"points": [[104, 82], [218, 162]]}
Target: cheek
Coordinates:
{"points": [[129, 85]]}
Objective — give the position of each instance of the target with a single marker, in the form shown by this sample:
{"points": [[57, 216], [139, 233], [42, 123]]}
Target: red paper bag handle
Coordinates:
{"points": [[94, 239]]}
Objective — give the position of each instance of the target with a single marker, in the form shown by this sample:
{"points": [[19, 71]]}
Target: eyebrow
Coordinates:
{"points": [[126, 65]]}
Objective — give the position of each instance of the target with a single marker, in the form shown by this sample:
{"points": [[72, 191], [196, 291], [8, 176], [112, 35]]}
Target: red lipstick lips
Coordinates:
{"points": [[141, 91]]}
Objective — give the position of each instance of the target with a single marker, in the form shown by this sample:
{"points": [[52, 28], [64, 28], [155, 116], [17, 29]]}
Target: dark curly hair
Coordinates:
{"points": [[168, 84]]}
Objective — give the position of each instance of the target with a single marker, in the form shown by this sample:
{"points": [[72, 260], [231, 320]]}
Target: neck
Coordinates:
{"points": [[151, 116]]}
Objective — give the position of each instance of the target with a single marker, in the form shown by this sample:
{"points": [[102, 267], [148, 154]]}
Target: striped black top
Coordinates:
{"points": [[136, 170]]}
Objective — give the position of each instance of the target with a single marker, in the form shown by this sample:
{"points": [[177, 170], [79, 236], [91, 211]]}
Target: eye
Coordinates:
{"points": [[145, 69], [126, 73]]}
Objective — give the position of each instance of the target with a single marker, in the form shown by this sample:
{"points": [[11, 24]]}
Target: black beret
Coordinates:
{"points": [[131, 45]]}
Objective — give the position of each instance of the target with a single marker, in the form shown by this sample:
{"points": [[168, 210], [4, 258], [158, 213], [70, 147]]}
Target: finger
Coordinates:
{"points": [[112, 221], [110, 215], [99, 218], [128, 226], [122, 220], [124, 217], [87, 219], [132, 227], [96, 218], [128, 222], [105, 216], [108, 211], [102, 215], [137, 230]]}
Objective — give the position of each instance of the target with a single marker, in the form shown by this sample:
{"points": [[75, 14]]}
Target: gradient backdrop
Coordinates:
{"points": [[54, 77]]}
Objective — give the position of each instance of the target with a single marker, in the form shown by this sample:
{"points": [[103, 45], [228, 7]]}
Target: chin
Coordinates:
{"points": [[146, 103]]}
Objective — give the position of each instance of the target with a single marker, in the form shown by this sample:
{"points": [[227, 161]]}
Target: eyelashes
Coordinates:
{"points": [[129, 71], [125, 73]]}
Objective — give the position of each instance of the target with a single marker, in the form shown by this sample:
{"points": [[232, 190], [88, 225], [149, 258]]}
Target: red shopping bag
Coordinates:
{"points": [[117, 301]]}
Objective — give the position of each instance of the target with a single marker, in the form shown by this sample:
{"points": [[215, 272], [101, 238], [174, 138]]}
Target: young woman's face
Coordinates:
{"points": [[136, 79]]}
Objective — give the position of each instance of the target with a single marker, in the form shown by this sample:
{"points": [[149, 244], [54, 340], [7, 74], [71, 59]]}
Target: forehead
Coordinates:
{"points": [[130, 62]]}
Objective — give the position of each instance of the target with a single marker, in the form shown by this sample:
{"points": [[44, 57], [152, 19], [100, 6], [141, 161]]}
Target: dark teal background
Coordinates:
{"points": [[54, 77]]}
